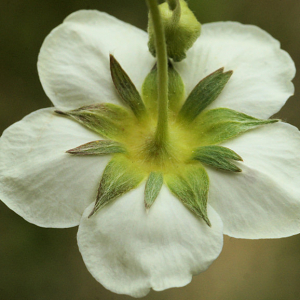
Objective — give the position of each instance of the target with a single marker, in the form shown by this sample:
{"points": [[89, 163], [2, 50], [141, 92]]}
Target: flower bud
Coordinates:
{"points": [[180, 33]]}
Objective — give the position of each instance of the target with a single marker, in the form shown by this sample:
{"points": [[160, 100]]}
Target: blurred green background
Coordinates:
{"points": [[45, 264]]}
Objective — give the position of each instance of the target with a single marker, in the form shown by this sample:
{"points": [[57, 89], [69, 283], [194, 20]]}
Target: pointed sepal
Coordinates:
{"points": [[108, 120], [176, 90], [217, 157], [218, 125], [126, 88], [119, 177], [101, 147], [153, 187], [191, 187], [204, 93]]}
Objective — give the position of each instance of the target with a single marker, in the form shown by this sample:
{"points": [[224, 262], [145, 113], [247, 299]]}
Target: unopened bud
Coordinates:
{"points": [[180, 31]]}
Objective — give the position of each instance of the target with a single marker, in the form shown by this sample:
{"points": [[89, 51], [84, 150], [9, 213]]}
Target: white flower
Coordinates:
{"points": [[126, 248]]}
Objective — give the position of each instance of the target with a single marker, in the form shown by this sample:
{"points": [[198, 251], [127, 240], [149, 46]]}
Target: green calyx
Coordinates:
{"points": [[217, 157], [215, 126], [101, 147], [106, 119], [204, 93], [126, 88], [194, 137], [176, 90], [181, 29], [191, 186], [153, 187], [119, 177]]}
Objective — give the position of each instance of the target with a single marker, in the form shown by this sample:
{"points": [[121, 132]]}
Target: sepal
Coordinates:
{"points": [[176, 90], [153, 187], [101, 147], [119, 177], [217, 157], [218, 125], [108, 120], [126, 88], [204, 93], [191, 187]]}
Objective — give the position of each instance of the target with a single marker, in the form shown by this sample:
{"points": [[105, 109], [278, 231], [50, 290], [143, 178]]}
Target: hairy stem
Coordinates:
{"points": [[174, 5], [161, 134]]}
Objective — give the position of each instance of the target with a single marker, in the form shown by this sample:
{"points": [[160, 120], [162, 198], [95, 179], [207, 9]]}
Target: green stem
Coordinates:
{"points": [[174, 5], [161, 134]]}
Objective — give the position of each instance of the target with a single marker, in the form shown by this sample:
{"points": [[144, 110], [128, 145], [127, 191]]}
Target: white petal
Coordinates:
{"points": [[38, 180], [74, 59], [264, 200], [262, 72], [129, 250]]}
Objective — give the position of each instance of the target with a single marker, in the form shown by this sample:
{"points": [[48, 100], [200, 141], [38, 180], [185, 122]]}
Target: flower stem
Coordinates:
{"points": [[174, 5], [161, 134]]}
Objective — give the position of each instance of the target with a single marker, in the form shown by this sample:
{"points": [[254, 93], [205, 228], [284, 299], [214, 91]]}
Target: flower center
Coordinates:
{"points": [[146, 154]]}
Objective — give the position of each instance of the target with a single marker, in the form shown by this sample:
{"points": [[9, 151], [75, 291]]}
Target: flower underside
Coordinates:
{"points": [[193, 140]]}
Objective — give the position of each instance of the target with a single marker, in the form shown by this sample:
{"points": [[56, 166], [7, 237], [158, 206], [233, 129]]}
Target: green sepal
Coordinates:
{"points": [[153, 187], [218, 125], [176, 90], [108, 120], [126, 88], [191, 187], [119, 177], [204, 93], [217, 157], [181, 29], [101, 147]]}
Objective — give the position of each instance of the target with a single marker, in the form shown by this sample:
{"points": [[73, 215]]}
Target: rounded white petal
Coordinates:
{"points": [[130, 250], [264, 200], [262, 72], [73, 63], [38, 180]]}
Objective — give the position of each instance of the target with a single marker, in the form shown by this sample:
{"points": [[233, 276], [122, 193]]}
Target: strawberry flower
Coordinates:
{"points": [[153, 218]]}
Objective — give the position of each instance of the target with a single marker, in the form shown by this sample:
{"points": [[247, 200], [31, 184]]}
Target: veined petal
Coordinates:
{"points": [[38, 179], [262, 72], [263, 201], [74, 59], [130, 250]]}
